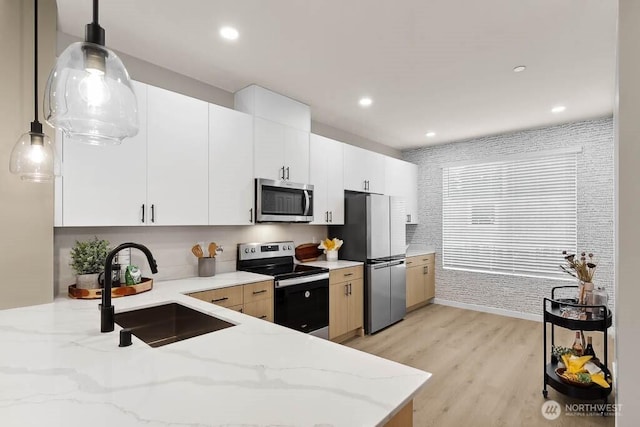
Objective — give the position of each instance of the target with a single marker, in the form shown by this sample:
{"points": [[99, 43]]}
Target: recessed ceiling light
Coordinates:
{"points": [[519, 68], [430, 134], [365, 102], [229, 33], [558, 109]]}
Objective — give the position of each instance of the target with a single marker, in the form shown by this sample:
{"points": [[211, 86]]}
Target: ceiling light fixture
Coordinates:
{"points": [[33, 157], [558, 109], [430, 134], [229, 33], [365, 102], [519, 68], [89, 95]]}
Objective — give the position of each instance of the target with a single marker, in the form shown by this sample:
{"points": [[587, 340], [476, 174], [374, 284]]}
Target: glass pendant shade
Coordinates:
{"points": [[33, 158], [89, 96]]}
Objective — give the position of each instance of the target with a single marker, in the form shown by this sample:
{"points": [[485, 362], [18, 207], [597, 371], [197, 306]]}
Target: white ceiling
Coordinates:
{"points": [[441, 65]]}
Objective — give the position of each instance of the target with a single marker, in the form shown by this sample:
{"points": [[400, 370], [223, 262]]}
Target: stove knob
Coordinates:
{"points": [[253, 250], [289, 247], [246, 250], [284, 247]]}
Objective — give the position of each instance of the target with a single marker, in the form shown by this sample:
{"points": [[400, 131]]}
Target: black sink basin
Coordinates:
{"points": [[168, 323]]}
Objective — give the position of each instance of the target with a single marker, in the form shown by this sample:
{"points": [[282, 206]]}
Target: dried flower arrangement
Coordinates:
{"points": [[582, 268]]}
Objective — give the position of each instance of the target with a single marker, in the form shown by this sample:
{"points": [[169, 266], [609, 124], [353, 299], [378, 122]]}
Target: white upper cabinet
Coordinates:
{"points": [[231, 184], [106, 185], [402, 180], [280, 152], [261, 102], [177, 156], [364, 170], [326, 174]]}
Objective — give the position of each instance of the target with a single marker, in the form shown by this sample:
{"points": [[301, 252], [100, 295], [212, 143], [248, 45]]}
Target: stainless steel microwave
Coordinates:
{"points": [[283, 201]]}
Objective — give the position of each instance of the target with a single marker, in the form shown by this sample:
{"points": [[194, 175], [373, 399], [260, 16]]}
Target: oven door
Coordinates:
{"points": [[283, 201], [303, 304]]}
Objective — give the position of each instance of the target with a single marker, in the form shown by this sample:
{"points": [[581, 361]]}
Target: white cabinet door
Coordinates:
{"points": [[412, 193], [296, 155], [104, 186], [178, 157], [326, 175], [363, 170], [268, 149], [318, 172], [335, 182], [401, 179], [231, 184]]}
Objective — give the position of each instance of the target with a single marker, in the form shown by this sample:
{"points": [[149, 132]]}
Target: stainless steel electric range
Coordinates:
{"points": [[301, 299]]}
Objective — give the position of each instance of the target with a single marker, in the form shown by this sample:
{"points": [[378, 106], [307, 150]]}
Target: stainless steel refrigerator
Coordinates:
{"points": [[374, 233]]}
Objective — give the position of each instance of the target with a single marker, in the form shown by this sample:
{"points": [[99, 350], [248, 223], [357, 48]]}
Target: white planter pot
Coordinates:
{"points": [[87, 281], [332, 255]]}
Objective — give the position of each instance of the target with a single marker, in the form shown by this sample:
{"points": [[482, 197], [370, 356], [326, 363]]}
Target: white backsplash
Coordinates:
{"points": [[171, 246]]}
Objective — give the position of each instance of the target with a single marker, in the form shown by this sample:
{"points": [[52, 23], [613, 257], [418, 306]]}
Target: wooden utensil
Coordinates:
{"points": [[197, 251], [212, 249]]}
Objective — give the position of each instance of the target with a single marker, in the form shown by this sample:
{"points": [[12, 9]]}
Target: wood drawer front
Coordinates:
{"points": [[345, 274], [225, 297], [258, 291], [262, 309], [415, 261], [239, 308]]}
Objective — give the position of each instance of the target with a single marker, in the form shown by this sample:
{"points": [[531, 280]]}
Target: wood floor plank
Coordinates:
{"points": [[487, 369]]}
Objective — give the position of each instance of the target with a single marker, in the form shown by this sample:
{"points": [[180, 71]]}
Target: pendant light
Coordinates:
{"points": [[89, 95], [33, 157]]}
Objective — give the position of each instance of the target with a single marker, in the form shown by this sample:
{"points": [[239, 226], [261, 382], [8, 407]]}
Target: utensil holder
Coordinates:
{"points": [[206, 267]]}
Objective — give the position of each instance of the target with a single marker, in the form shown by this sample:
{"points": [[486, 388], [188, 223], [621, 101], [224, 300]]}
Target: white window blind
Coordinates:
{"points": [[511, 217]]}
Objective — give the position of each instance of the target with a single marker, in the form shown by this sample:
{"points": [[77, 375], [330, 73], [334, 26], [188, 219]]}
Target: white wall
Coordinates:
{"points": [[628, 214], [595, 210], [171, 246], [26, 209]]}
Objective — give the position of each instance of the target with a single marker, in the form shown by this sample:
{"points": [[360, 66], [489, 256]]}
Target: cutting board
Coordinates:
{"points": [[308, 252]]}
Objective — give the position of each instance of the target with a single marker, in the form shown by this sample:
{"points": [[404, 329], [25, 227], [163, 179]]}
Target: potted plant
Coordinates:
{"points": [[87, 260], [331, 247]]}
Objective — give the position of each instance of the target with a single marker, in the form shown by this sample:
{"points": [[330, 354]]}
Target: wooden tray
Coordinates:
{"points": [[308, 252], [121, 291]]}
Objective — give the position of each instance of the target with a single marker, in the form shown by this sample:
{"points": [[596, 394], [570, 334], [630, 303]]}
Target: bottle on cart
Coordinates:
{"points": [[588, 351], [577, 346]]}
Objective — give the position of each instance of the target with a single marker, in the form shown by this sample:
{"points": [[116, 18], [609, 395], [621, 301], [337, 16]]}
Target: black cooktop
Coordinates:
{"points": [[284, 271]]}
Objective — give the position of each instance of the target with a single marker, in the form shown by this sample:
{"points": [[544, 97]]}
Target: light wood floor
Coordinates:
{"points": [[487, 369]]}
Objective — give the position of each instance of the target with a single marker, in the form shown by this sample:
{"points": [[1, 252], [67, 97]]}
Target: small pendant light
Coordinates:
{"points": [[89, 95], [33, 157]]}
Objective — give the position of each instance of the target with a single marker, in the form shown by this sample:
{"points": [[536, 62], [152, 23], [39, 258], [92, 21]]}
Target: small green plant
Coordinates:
{"points": [[89, 257]]}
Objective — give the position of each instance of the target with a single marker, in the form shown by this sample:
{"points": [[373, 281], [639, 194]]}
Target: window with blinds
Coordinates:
{"points": [[514, 216]]}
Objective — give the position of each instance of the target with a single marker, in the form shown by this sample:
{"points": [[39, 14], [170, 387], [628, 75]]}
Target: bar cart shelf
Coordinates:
{"points": [[598, 319]]}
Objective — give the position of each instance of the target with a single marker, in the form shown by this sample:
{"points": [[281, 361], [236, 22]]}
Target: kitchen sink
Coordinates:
{"points": [[168, 323]]}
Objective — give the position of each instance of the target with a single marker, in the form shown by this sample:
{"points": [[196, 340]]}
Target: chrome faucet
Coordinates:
{"points": [[107, 311]]}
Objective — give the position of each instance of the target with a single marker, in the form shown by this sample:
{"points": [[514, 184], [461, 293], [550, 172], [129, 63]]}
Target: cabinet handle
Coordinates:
{"points": [[287, 173], [259, 292], [153, 213], [346, 290], [348, 274], [330, 216], [350, 289], [409, 262], [425, 259], [251, 215], [143, 213], [426, 269], [408, 218], [241, 310], [219, 299], [264, 316], [326, 216], [282, 176]]}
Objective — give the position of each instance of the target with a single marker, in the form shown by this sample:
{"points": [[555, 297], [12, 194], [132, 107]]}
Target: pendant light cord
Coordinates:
{"points": [[95, 11], [35, 59]]}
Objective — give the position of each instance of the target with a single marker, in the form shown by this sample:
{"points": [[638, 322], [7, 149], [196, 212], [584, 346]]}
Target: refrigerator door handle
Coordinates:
{"points": [[381, 265], [396, 263]]}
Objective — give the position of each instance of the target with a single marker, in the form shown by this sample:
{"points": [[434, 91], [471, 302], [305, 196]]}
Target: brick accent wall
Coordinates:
{"points": [[595, 210]]}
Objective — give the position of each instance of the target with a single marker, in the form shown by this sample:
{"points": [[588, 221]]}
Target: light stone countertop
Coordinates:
{"points": [[57, 369], [415, 250], [334, 265]]}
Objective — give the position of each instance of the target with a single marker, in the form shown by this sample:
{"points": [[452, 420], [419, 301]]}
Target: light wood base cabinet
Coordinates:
{"points": [[346, 303], [255, 299], [404, 417], [421, 283]]}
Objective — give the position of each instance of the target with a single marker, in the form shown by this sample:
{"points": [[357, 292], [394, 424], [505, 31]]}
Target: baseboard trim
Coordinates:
{"points": [[492, 310]]}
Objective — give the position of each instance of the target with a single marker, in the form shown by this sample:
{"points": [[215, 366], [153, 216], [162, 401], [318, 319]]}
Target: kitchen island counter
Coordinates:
{"points": [[57, 369]]}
